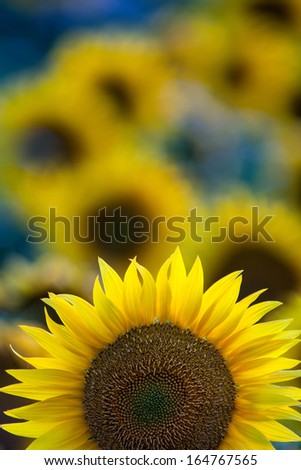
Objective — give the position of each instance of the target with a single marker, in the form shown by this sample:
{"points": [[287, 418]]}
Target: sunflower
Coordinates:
{"points": [[245, 67], [48, 134], [259, 70], [279, 15], [261, 237], [25, 282], [126, 72], [158, 365], [134, 204]]}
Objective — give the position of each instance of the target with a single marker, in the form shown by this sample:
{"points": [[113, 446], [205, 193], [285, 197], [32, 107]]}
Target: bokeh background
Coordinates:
{"points": [[156, 107]]}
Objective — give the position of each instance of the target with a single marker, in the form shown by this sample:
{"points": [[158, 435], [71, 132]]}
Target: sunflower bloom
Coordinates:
{"points": [[158, 365], [273, 264]]}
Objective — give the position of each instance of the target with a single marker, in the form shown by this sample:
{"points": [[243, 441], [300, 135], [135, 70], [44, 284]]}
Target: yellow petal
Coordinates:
{"points": [[283, 413], [148, 295], [49, 378], [210, 299], [29, 429], [256, 312], [217, 290], [241, 436], [247, 370], [274, 377], [33, 393], [234, 341], [177, 280], [48, 342], [113, 319], [163, 292], [132, 291], [69, 340], [220, 311], [51, 409], [192, 294], [264, 400], [284, 375], [69, 435], [229, 324], [275, 431], [82, 322], [50, 363], [112, 283], [97, 333], [258, 348]]}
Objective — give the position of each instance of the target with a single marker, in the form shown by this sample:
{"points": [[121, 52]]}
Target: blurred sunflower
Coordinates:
{"points": [[25, 282], [48, 134], [279, 15], [158, 365], [246, 70], [126, 73], [133, 204], [258, 71], [262, 238]]}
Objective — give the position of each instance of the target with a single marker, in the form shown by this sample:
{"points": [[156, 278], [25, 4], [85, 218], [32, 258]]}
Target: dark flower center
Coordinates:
{"points": [[236, 73], [295, 106], [262, 268], [48, 145], [119, 229], [119, 93], [275, 10], [158, 387]]}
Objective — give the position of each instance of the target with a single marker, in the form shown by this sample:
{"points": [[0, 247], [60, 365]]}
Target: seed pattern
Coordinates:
{"points": [[158, 387]]}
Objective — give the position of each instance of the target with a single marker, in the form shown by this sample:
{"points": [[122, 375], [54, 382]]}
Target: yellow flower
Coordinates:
{"points": [[48, 135], [259, 236], [25, 282], [127, 73], [245, 67], [158, 365], [135, 204], [279, 15]]}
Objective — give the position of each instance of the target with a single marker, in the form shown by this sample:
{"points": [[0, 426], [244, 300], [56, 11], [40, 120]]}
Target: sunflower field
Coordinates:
{"points": [[150, 224]]}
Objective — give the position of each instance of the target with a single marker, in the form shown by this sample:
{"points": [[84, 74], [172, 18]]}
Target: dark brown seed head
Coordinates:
{"points": [[158, 387]]}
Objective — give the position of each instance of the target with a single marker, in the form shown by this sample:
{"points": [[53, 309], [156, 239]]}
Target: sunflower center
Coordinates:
{"points": [[295, 106], [154, 401], [262, 267], [275, 10], [118, 91], [45, 145], [236, 73], [119, 228], [158, 387]]}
